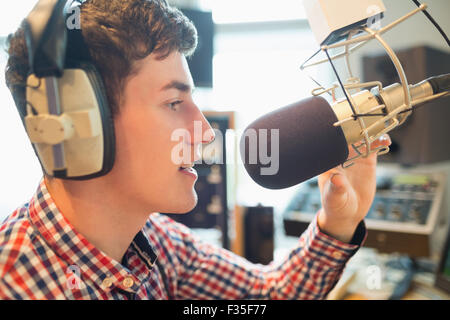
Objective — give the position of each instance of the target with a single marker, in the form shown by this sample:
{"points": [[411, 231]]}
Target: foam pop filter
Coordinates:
{"points": [[308, 144]]}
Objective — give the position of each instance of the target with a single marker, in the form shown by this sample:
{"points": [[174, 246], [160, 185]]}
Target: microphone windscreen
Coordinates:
{"points": [[307, 144]]}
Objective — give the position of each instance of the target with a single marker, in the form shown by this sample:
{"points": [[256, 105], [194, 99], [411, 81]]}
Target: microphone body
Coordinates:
{"points": [[366, 102], [304, 139]]}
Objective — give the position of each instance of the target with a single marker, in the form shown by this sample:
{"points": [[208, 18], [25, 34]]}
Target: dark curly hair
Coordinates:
{"points": [[118, 33]]}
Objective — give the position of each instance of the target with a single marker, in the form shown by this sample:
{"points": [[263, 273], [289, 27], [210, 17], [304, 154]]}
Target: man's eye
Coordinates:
{"points": [[173, 105]]}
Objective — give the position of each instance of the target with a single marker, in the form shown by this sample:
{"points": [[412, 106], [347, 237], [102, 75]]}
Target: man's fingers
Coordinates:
{"points": [[383, 141]]}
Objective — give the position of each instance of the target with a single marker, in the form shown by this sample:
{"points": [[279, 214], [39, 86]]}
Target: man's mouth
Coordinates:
{"points": [[188, 169], [187, 166]]}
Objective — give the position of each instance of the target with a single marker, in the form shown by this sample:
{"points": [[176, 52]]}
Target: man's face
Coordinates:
{"points": [[157, 103]]}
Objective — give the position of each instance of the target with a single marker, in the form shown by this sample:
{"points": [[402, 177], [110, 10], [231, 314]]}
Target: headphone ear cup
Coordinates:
{"points": [[107, 119], [84, 130]]}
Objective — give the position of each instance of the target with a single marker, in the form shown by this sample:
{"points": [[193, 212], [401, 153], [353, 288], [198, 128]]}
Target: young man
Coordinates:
{"points": [[103, 238]]}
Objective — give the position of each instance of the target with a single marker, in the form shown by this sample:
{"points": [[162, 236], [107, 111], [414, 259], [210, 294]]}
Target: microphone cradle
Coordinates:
{"points": [[392, 119]]}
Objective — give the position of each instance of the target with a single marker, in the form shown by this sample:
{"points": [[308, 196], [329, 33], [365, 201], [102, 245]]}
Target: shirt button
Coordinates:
{"points": [[107, 282], [337, 255], [128, 282]]}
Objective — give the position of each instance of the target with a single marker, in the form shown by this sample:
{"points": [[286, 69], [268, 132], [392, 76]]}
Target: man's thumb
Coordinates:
{"points": [[337, 195]]}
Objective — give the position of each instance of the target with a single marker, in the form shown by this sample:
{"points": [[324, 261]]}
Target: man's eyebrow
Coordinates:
{"points": [[181, 86]]}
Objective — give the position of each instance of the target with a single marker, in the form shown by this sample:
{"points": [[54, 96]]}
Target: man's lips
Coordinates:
{"points": [[187, 166], [188, 170]]}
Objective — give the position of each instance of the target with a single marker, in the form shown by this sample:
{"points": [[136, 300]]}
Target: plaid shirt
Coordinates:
{"points": [[43, 257]]}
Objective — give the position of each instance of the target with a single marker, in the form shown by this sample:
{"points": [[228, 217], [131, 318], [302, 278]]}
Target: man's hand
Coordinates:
{"points": [[347, 194]]}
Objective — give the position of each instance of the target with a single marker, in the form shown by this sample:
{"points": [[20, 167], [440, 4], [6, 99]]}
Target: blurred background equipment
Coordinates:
{"points": [[255, 226], [407, 215]]}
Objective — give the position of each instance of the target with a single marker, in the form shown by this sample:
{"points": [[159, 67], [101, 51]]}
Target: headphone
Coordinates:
{"points": [[66, 115]]}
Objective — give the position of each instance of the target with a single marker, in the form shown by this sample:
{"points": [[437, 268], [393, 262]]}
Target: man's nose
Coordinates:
{"points": [[208, 135], [203, 133]]}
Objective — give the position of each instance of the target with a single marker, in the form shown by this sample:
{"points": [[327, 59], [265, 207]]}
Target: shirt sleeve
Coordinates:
{"points": [[310, 271]]}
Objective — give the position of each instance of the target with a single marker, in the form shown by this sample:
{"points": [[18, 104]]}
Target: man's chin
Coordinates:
{"points": [[184, 207]]}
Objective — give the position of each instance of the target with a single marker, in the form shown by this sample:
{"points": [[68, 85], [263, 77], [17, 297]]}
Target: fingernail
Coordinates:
{"points": [[385, 137]]}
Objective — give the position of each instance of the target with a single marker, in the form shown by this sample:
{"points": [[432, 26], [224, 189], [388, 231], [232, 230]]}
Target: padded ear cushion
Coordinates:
{"points": [[106, 119]]}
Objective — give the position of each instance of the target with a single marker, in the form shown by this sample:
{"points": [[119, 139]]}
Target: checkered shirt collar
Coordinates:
{"points": [[78, 252]]}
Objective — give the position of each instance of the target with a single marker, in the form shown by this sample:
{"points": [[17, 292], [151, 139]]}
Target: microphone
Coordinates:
{"points": [[309, 137]]}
